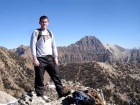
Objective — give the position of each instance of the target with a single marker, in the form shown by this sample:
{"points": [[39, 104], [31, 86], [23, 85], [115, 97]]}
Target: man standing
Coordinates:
{"points": [[44, 52]]}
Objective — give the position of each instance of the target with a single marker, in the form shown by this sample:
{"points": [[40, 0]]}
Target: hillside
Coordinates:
{"points": [[120, 82], [16, 73]]}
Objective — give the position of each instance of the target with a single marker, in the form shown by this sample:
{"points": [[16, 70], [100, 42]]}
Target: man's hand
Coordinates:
{"points": [[36, 62], [55, 61]]}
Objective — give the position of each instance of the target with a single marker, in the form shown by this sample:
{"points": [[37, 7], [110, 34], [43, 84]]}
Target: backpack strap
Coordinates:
{"points": [[39, 35], [49, 33]]}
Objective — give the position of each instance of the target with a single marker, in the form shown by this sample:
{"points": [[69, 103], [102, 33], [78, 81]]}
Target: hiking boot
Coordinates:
{"points": [[65, 93]]}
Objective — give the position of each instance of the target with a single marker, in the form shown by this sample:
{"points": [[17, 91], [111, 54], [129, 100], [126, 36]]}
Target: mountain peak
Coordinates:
{"points": [[89, 40]]}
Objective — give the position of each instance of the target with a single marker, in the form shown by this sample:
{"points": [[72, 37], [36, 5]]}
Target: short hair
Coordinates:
{"points": [[43, 17]]}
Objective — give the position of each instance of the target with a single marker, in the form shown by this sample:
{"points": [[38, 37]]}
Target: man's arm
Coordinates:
{"points": [[33, 42], [35, 61], [56, 61], [54, 50]]}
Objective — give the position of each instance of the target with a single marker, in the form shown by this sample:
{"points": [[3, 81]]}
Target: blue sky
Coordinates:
{"points": [[111, 21]]}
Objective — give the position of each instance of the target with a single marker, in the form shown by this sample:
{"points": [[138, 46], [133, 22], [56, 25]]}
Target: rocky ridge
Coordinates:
{"points": [[5, 98], [50, 92]]}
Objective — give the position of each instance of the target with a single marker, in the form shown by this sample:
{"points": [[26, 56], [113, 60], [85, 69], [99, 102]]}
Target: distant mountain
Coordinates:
{"points": [[89, 48], [23, 51]]}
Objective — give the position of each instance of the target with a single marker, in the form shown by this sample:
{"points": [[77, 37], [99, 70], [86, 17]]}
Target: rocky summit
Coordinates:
{"points": [[51, 97]]}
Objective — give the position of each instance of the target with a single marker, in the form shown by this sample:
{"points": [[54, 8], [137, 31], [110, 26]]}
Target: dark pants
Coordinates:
{"points": [[47, 63]]}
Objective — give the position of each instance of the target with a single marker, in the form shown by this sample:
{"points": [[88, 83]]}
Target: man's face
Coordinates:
{"points": [[44, 23]]}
